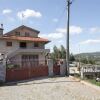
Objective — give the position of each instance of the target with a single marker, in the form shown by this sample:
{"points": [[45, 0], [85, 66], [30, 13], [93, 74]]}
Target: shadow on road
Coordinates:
{"points": [[33, 81]]}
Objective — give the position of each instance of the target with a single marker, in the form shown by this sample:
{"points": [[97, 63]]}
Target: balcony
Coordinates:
{"points": [[18, 51], [35, 50]]}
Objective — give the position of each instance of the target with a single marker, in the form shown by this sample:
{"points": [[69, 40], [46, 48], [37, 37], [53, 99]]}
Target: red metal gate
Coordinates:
{"points": [[56, 69], [16, 74]]}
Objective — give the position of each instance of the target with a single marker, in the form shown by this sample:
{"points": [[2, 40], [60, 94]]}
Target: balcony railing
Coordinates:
{"points": [[33, 50]]}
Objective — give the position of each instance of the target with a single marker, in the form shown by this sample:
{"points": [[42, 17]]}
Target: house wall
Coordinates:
{"points": [[22, 32], [15, 46], [30, 45], [41, 58], [6, 50]]}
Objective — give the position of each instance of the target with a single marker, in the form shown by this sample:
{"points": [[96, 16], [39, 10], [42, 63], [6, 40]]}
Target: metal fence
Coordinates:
{"points": [[12, 63]]}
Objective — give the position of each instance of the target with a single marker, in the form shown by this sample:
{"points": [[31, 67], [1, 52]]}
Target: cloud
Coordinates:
{"points": [[53, 35], [61, 30], [73, 30], [90, 41], [94, 30], [28, 13], [60, 33], [7, 11]]}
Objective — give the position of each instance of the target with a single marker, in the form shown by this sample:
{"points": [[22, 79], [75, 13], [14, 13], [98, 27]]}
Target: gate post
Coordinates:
{"points": [[50, 67], [4, 65], [3, 69], [82, 73], [63, 68]]}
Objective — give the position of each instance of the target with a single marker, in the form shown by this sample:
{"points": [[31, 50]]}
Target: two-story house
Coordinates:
{"points": [[22, 45]]}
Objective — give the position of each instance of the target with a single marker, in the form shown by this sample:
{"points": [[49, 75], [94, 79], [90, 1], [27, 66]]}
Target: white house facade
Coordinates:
{"points": [[23, 45]]}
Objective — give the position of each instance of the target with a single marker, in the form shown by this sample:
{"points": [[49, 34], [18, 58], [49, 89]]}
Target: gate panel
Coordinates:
{"points": [[16, 74], [56, 69]]}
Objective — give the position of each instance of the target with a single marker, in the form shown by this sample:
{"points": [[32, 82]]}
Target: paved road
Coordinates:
{"points": [[62, 88]]}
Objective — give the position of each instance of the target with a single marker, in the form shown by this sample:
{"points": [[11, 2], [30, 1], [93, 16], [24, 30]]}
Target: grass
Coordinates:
{"points": [[93, 81]]}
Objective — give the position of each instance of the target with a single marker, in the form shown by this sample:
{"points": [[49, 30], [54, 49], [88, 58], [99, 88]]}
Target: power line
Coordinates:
{"points": [[62, 15], [60, 18]]}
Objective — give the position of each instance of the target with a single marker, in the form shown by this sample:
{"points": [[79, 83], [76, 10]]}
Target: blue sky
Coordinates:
{"points": [[50, 17]]}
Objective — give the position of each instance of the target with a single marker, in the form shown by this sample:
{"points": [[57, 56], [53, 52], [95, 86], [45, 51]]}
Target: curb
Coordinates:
{"points": [[86, 83], [91, 85]]}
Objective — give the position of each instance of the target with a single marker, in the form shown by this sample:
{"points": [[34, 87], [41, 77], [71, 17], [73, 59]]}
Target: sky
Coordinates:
{"points": [[50, 18]]}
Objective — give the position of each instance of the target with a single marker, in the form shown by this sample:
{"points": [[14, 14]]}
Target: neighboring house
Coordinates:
{"points": [[22, 45]]}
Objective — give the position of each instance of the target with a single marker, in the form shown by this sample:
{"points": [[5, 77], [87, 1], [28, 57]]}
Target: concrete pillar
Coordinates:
{"points": [[50, 67], [63, 67], [82, 73], [3, 70]]}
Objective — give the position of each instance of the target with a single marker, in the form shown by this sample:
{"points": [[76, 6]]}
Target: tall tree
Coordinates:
{"points": [[56, 52], [60, 53], [63, 52]]}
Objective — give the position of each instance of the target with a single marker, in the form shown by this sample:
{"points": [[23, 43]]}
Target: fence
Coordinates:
{"points": [[90, 71], [15, 74], [25, 69], [21, 70]]}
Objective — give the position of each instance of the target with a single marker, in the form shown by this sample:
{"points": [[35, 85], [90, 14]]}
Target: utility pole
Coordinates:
{"points": [[67, 41]]}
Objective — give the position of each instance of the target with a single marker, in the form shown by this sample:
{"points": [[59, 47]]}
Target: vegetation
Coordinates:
{"points": [[87, 61], [60, 53], [93, 81], [89, 58], [12, 66], [90, 80]]}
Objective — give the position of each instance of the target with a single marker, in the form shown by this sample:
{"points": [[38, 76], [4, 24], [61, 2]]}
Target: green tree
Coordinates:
{"points": [[60, 53], [63, 52], [84, 60], [72, 58], [55, 52]]}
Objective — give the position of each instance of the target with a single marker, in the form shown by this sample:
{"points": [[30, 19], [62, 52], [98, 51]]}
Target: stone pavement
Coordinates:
{"points": [[58, 88]]}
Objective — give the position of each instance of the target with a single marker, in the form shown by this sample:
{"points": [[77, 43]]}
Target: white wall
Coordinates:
{"points": [[15, 46], [5, 49], [41, 58]]}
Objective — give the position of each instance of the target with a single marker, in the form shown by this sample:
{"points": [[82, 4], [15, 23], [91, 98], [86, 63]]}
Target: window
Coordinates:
{"points": [[30, 60], [8, 44], [17, 33], [23, 45], [27, 34], [36, 44]]}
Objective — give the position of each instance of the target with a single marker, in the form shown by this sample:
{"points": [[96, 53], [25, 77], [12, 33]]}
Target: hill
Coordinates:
{"points": [[93, 55]]}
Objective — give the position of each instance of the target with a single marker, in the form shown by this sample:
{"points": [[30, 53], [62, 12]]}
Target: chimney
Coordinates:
{"points": [[1, 30]]}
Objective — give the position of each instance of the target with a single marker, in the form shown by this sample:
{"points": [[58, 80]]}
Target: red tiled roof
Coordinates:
{"points": [[38, 39]]}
